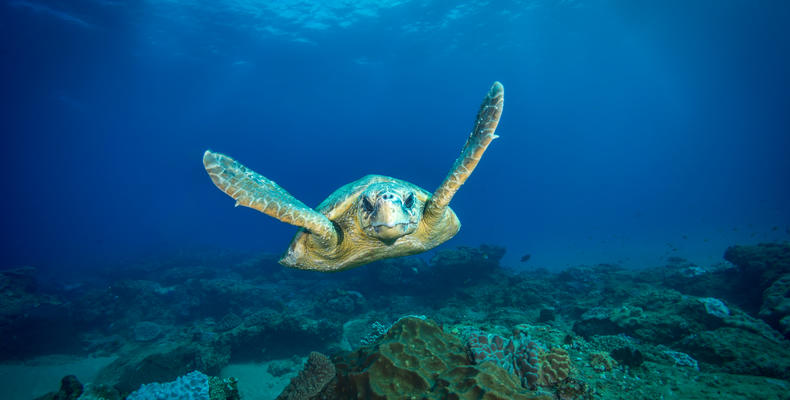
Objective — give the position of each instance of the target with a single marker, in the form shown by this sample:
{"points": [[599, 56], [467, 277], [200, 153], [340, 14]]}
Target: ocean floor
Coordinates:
{"points": [[37, 376], [457, 325], [256, 381]]}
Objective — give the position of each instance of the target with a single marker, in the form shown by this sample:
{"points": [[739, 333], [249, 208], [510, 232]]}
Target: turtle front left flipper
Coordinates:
{"points": [[476, 145], [253, 190]]}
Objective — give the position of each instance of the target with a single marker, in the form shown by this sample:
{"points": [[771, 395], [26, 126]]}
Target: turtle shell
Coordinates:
{"points": [[354, 247]]}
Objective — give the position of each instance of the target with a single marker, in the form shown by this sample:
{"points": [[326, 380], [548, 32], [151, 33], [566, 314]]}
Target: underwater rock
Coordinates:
{"points": [[181, 274], [345, 302], [218, 297], [681, 359], [417, 359], [192, 386], [353, 332], [628, 356], [397, 273], [279, 335], [263, 316], [715, 307], [740, 352], [100, 392], [463, 265], [318, 371], [758, 267], [281, 367], [70, 389], [601, 361], [714, 280], [666, 316], [776, 305], [16, 284], [361, 332], [223, 388], [146, 331], [28, 318], [547, 315], [228, 322], [161, 363], [768, 261]]}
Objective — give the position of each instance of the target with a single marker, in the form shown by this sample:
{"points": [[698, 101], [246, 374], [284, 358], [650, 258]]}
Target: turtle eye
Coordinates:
{"points": [[366, 204], [409, 201]]}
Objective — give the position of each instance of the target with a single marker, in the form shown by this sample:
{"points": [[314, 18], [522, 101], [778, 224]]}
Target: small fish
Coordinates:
{"points": [[525, 257]]}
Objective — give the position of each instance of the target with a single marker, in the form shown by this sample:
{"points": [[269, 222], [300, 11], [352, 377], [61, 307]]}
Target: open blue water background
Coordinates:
{"points": [[632, 130]]}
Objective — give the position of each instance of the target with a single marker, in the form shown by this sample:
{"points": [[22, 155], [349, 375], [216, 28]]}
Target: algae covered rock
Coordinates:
{"points": [[161, 363], [758, 268], [776, 305], [666, 316], [28, 318], [146, 331], [740, 352], [766, 261]]}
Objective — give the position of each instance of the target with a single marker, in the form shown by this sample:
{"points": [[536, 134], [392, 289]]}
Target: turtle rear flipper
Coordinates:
{"points": [[479, 139], [253, 190]]}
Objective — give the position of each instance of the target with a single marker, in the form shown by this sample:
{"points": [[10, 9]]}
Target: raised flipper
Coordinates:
{"points": [[481, 136], [253, 190]]}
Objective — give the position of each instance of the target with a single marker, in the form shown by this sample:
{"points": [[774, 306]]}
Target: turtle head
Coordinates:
{"points": [[389, 211]]}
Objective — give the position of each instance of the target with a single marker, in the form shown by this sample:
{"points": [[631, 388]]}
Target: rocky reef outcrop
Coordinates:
{"points": [[476, 330]]}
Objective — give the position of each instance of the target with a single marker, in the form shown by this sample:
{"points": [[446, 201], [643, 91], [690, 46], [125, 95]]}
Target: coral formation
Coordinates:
{"points": [[588, 332], [518, 355], [602, 361], [192, 386], [318, 371], [416, 358], [555, 367]]}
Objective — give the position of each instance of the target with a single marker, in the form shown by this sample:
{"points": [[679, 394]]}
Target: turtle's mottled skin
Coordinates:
{"points": [[366, 220]]}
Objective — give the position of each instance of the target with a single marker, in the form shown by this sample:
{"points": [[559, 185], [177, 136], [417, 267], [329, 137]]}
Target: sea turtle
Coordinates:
{"points": [[366, 220]]}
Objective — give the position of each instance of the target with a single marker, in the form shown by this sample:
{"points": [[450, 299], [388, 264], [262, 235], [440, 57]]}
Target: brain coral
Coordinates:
{"points": [[555, 367], [532, 364]]}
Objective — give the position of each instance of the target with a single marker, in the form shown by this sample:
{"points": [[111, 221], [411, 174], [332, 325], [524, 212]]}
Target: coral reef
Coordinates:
{"points": [[589, 332]]}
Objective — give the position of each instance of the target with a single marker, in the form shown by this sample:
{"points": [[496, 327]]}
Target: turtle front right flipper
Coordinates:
{"points": [[253, 190], [477, 143]]}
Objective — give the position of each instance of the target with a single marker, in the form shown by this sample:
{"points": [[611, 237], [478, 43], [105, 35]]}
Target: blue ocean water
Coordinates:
{"points": [[632, 131]]}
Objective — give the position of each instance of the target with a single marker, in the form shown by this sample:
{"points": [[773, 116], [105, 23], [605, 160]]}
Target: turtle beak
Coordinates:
{"points": [[389, 219]]}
